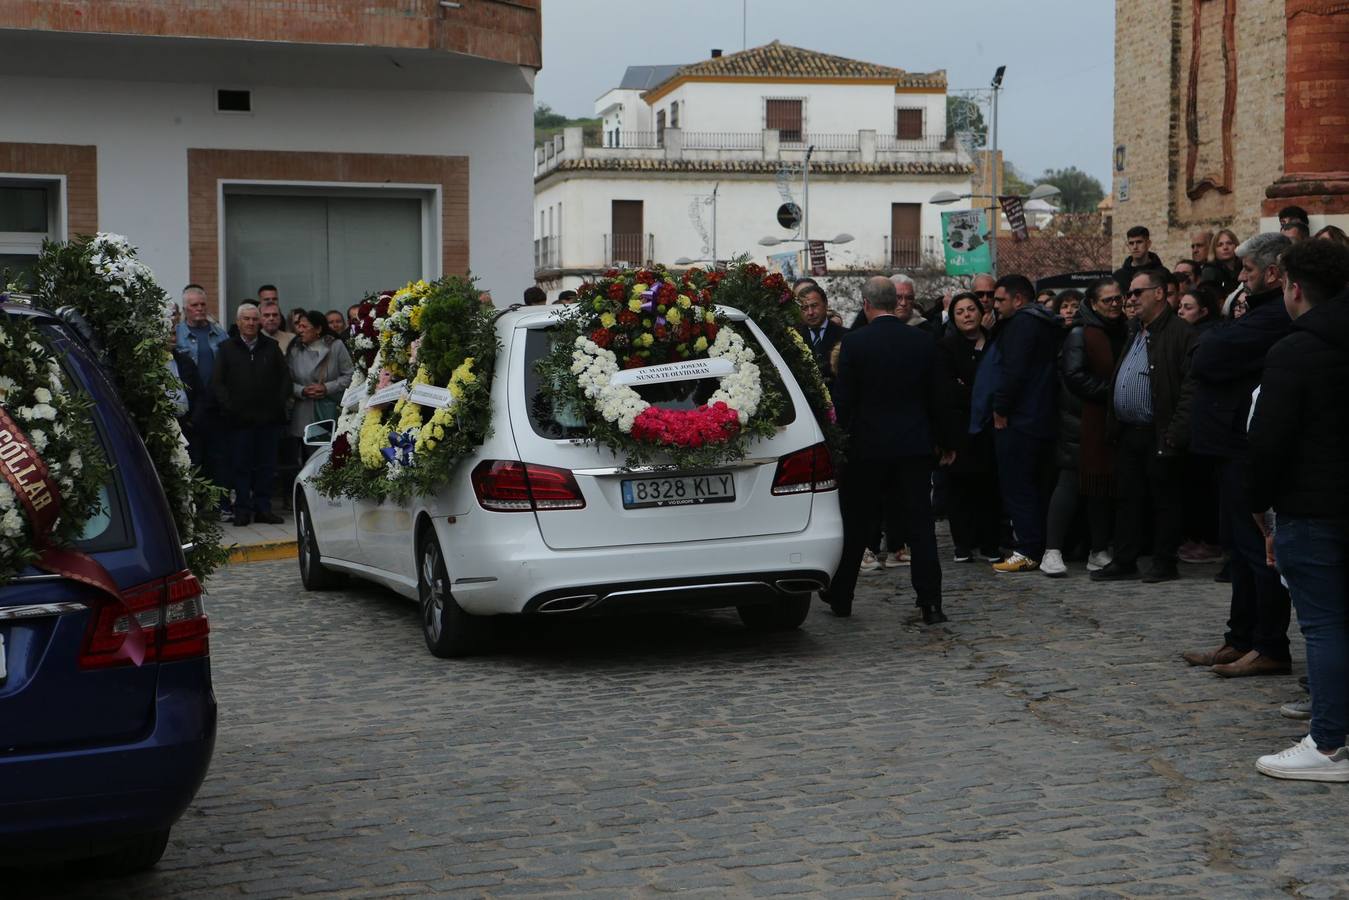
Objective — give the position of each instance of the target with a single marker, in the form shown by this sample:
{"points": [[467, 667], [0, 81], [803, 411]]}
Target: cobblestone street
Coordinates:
{"points": [[1047, 739]]}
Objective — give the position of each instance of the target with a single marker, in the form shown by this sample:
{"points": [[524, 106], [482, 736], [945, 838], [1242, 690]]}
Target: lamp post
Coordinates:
{"points": [[995, 170]]}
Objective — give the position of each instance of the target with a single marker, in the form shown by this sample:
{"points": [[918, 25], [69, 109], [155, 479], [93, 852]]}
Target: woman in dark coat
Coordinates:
{"points": [[1083, 454], [973, 505]]}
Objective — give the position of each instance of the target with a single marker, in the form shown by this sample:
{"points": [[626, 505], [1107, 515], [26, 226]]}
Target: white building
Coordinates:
{"points": [[740, 125], [329, 148]]}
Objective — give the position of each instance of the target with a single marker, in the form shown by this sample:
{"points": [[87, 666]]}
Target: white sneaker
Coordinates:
{"points": [[1303, 762], [1052, 564], [870, 564], [1298, 709], [1098, 560]]}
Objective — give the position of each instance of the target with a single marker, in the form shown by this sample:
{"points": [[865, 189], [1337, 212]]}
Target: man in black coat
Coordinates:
{"points": [[1014, 395], [251, 382], [1139, 241], [1226, 368], [820, 334], [885, 395], [1149, 419], [1299, 442]]}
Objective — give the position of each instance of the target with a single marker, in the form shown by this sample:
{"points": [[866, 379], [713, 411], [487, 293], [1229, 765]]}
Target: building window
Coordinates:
{"points": [[660, 128], [909, 124], [906, 223], [674, 114], [28, 216], [784, 117]]}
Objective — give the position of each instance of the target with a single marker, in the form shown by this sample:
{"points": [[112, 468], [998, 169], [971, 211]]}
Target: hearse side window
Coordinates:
{"points": [[109, 528]]}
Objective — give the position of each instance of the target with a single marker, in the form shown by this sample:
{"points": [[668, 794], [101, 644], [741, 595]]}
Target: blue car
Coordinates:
{"points": [[98, 758]]}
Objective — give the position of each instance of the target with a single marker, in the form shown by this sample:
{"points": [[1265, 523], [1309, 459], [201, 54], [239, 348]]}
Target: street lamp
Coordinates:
{"points": [[841, 238]]}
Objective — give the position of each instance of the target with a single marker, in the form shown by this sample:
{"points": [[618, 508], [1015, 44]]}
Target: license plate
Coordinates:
{"points": [[680, 490]]}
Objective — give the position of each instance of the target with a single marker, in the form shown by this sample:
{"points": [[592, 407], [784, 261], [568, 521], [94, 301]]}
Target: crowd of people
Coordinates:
{"points": [[250, 391], [1175, 415]]}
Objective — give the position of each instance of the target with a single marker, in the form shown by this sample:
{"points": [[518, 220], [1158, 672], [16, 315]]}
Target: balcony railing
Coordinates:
{"points": [[909, 252], [865, 146], [889, 143], [623, 140], [629, 249], [548, 252], [723, 140]]}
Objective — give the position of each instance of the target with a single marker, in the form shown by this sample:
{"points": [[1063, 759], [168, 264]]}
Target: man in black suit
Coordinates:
{"points": [[819, 333], [885, 395]]}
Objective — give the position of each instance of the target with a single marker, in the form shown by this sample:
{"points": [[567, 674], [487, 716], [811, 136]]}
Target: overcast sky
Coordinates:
{"points": [[1057, 99]]}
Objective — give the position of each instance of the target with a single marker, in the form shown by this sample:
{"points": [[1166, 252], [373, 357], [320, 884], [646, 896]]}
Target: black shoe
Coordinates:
{"points": [[269, 518], [963, 555], [841, 608], [1160, 573], [242, 519], [932, 615], [1116, 572], [992, 555]]}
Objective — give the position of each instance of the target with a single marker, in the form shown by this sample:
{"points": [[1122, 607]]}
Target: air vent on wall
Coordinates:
{"points": [[233, 101]]}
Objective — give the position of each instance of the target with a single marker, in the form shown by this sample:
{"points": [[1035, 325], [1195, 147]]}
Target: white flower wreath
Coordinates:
{"points": [[595, 367]]}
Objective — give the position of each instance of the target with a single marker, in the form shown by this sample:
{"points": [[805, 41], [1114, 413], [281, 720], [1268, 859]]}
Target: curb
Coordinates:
{"points": [[246, 553]]}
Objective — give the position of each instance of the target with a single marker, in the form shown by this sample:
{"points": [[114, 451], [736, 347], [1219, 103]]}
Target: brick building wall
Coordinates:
{"points": [[1239, 140], [502, 30]]}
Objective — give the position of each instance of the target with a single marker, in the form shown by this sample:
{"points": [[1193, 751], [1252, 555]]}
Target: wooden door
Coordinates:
{"points": [[626, 240], [906, 233]]}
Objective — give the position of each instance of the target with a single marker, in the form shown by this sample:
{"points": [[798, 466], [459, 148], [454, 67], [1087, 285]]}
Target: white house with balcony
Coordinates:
{"points": [[693, 162]]}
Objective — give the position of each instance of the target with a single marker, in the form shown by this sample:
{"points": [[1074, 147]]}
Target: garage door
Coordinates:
{"points": [[321, 252]]}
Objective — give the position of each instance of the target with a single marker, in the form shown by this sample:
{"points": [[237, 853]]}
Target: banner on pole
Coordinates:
{"points": [[1015, 211], [964, 239], [819, 264], [785, 264]]}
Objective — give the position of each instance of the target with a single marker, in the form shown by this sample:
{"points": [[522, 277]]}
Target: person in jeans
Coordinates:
{"points": [[1085, 458], [1149, 414], [1226, 368], [1299, 445], [1014, 395]]}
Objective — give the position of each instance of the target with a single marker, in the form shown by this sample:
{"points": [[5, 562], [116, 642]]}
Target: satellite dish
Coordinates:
{"points": [[789, 216]]}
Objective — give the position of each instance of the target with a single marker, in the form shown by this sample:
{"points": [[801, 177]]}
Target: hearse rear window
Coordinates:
{"points": [[569, 424]]}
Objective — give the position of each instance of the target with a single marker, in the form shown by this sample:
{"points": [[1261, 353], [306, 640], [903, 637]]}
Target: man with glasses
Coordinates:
{"points": [[983, 289], [1227, 366], [1187, 272], [1149, 413]]}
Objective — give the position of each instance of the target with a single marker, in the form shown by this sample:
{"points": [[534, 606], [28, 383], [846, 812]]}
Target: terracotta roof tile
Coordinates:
{"points": [[784, 60]]}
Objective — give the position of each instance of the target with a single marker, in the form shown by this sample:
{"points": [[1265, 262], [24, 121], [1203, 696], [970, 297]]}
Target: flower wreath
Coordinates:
{"points": [[131, 316], [643, 318], [767, 299], [444, 336], [43, 424]]}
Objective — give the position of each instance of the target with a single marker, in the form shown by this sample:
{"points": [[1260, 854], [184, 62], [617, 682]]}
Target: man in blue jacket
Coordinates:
{"points": [[1226, 368], [885, 394], [199, 339], [1014, 394]]}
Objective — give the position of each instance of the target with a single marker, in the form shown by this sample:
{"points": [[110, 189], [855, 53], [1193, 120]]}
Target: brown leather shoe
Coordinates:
{"points": [[1253, 663], [1224, 654]]}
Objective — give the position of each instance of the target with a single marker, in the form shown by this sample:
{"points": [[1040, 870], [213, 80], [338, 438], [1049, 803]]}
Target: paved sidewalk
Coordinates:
{"points": [[259, 542]]}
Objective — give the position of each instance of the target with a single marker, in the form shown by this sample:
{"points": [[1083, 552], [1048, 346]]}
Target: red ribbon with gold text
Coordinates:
{"points": [[27, 474]]}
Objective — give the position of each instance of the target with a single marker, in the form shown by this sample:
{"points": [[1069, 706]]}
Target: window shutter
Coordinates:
{"points": [[784, 116], [909, 124]]}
